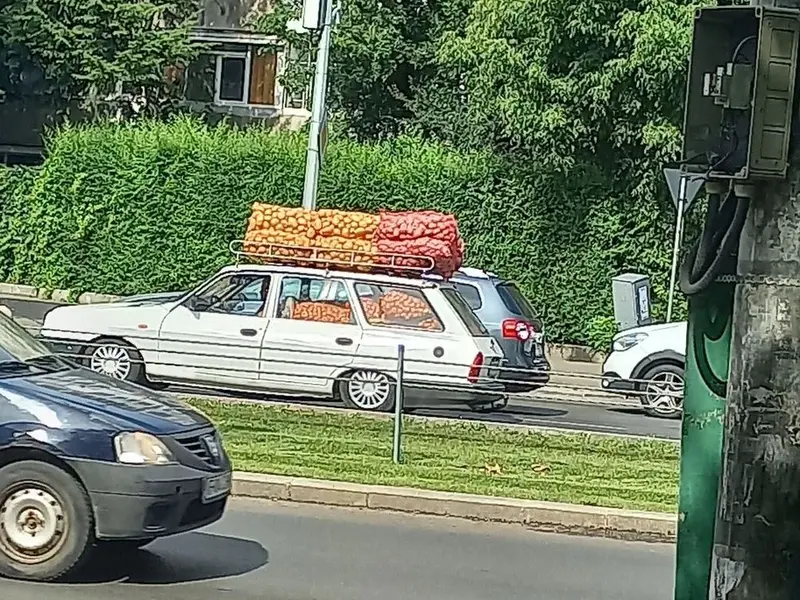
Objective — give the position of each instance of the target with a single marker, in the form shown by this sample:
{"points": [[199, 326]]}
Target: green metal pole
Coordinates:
{"points": [[707, 362]]}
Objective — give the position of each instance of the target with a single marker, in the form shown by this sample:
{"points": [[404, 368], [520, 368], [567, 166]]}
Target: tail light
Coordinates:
{"points": [[517, 329], [475, 369]]}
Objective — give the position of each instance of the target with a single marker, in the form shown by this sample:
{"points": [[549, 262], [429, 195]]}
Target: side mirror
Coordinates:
{"points": [[198, 304]]}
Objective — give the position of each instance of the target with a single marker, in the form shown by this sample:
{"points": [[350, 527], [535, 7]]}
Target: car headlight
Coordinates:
{"points": [[138, 448], [625, 342]]}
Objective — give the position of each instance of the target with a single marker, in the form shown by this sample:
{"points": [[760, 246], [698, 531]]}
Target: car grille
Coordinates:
{"points": [[198, 447]]}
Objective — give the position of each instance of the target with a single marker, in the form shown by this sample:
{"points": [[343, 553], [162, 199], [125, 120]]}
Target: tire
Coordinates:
{"points": [[656, 381], [54, 503], [115, 358], [366, 390]]}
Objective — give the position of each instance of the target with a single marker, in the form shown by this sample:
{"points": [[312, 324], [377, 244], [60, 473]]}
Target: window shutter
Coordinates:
{"points": [[262, 78]]}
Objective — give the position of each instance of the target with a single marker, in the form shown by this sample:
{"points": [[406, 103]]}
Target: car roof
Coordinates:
{"points": [[325, 273]]}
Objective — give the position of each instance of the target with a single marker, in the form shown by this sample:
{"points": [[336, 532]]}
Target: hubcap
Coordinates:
{"points": [[113, 361], [32, 524], [664, 393], [368, 390]]}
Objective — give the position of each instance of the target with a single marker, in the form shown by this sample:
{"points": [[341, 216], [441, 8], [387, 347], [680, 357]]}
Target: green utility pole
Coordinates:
{"points": [[707, 359], [741, 133]]}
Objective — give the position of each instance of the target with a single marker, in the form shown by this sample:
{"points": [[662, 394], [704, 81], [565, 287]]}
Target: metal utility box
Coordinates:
{"points": [[740, 91], [631, 293]]}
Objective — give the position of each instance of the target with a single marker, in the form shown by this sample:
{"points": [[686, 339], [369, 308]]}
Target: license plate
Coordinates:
{"points": [[216, 486]]}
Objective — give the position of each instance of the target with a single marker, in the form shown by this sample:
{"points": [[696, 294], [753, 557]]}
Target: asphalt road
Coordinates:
{"points": [[269, 551], [558, 410]]}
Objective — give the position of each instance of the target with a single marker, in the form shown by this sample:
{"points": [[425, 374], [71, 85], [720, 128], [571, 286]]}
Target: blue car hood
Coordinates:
{"points": [[77, 394]]}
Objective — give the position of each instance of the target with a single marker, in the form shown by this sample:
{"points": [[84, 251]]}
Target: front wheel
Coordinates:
{"points": [[662, 391], [367, 390], [46, 527], [116, 359]]}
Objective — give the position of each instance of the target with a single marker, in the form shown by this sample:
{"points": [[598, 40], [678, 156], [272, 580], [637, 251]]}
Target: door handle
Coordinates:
{"points": [[248, 332], [344, 341]]}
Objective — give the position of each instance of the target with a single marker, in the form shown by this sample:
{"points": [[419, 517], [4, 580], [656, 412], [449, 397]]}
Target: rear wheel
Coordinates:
{"points": [[46, 527], [662, 391], [367, 390], [115, 358]]}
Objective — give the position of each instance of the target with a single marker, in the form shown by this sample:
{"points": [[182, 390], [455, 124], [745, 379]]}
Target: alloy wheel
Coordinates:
{"points": [[368, 390], [111, 360], [664, 393]]}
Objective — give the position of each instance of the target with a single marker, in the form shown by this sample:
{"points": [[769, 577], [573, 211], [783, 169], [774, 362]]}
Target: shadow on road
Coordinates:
{"points": [[182, 559], [511, 414]]}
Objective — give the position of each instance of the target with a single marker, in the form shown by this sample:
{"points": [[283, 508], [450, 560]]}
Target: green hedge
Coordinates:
{"points": [[152, 207]]}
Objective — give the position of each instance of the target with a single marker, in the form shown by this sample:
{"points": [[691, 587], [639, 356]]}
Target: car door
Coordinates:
{"points": [[312, 335], [215, 335], [398, 315]]}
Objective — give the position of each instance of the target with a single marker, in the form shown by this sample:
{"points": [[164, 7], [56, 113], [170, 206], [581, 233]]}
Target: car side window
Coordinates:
{"points": [[244, 294], [314, 299], [394, 306], [470, 293]]}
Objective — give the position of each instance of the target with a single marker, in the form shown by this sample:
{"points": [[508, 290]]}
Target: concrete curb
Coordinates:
{"points": [[545, 516], [58, 295], [13, 289]]}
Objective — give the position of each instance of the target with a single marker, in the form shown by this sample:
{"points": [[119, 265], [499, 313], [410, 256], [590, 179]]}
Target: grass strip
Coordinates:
{"points": [[456, 457]]}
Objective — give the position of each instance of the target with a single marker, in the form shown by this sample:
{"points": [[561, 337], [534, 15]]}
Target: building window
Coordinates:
{"points": [[246, 78], [231, 70], [231, 86]]}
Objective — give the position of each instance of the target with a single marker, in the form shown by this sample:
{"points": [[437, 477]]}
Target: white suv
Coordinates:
{"points": [[292, 330], [648, 362]]}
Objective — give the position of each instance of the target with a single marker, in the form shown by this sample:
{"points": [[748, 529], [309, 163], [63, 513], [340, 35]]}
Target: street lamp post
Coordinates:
{"points": [[318, 106]]}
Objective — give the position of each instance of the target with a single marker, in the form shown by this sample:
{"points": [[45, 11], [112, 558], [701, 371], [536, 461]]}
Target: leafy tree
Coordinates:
{"points": [[101, 55], [383, 56]]}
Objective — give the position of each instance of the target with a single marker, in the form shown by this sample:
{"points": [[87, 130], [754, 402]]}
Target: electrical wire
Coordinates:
{"points": [[708, 255]]}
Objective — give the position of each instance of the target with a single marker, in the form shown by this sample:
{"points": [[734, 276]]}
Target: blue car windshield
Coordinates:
{"points": [[16, 344]]}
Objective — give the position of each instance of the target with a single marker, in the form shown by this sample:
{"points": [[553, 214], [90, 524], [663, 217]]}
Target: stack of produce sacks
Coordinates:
{"points": [[326, 312], [423, 233], [399, 308], [334, 229], [356, 236]]}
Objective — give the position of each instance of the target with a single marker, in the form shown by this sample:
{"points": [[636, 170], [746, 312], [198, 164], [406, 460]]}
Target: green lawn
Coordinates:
{"points": [[468, 457]]}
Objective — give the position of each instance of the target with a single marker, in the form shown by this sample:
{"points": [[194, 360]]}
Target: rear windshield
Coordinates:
{"points": [[515, 301], [470, 294], [464, 312]]}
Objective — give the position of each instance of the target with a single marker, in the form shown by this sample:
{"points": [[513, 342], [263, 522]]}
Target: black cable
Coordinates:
{"points": [[720, 237]]}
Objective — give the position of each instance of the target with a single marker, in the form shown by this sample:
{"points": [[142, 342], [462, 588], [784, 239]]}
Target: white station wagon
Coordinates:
{"points": [[294, 331]]}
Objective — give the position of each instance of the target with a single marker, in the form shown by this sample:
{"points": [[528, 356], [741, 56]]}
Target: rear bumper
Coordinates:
{"points": [[526, 379], [141, 502]]}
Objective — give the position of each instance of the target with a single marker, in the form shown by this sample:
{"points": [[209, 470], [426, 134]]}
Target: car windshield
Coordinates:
{"points": [[515, 301], [17, 345]]}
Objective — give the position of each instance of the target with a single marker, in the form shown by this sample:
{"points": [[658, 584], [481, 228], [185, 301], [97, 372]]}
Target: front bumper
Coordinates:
{"points": [[612, 382], [140, 502], [67, 348]]}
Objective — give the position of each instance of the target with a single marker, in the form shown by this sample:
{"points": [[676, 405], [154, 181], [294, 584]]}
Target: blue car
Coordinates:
{"points": [[88, 462]]}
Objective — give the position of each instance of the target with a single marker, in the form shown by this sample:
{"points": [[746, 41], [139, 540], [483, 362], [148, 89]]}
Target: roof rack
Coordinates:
{"points": [[332, 258]]}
